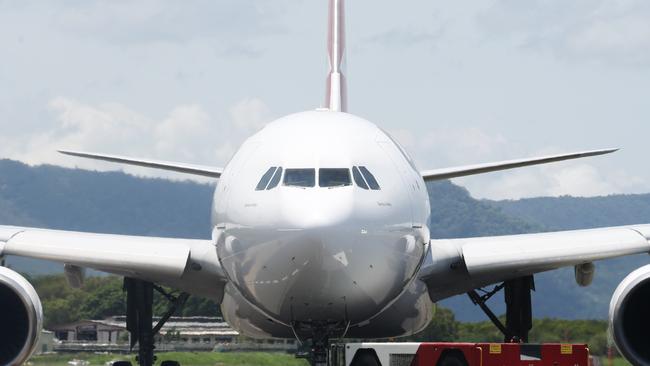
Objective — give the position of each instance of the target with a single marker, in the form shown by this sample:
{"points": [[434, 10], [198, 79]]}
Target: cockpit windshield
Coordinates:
{"points": [[327, 178], [334, 177], [364, 179], [358, 178], [300, 177], [276, 179], [370, 179], [265, 179]]}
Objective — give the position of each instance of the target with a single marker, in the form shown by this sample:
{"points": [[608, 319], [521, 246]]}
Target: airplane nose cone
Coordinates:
{"points": [[322, 265], [347, 274], [325, 208]]}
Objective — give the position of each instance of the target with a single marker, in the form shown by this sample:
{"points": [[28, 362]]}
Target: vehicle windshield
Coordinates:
{"points": [[300, 177], [334, 177]]}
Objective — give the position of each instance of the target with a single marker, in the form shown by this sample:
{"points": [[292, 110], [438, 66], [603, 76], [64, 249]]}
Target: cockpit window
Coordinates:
{"points": [[334, 177], [358, 179], [300, 177], [370, 179], [276, 179], [265, 179]]}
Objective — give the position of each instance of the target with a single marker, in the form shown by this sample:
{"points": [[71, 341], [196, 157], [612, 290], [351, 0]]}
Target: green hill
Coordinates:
{"points": [[567, 213], [107, 202], [455, 214]]}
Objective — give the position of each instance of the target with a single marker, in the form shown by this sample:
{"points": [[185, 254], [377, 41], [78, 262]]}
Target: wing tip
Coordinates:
{"points": [[603, 151], [68, 152], [611, 150]]}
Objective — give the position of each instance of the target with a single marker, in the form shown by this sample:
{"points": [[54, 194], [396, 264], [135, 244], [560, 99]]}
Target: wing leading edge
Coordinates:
{"points": [[461, 171], [205, 171], [187, 264], [455, 266]]}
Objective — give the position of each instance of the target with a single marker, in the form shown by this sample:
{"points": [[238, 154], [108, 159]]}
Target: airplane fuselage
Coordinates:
{"points": [[336, 237]]}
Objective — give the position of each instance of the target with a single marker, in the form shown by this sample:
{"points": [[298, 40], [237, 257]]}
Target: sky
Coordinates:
{"points": [[455, 82]]}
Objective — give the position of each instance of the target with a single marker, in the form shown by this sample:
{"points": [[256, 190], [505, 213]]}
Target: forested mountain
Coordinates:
{"points": [[113, 202], [106, 202], [455, 214], [566, 213]]}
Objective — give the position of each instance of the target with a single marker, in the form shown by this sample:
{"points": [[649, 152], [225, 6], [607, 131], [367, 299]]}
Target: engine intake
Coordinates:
{"points": [[629, 316], [21, 318]]}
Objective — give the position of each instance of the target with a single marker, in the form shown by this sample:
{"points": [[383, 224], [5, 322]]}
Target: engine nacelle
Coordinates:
{"points": [[629, 316], [21, 318], [584, 274]]}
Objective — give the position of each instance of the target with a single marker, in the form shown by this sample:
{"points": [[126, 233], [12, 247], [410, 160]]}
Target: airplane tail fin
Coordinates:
{"points": [[336, 94]]}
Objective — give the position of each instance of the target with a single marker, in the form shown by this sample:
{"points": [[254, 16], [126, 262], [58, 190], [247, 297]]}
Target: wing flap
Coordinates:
{"points": [[149, 163], [447, 173]]}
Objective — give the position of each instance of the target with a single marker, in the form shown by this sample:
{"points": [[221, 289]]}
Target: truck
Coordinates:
{"points": [[458, 354]]}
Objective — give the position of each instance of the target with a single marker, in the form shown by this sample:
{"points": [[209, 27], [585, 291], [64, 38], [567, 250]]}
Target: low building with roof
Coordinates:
{"points": [[45, 343], [178, 334], [102, 331]]}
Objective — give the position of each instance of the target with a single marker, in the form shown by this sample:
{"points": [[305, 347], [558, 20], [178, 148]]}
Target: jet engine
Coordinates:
{"points": [[629, 319], [21, 318]]}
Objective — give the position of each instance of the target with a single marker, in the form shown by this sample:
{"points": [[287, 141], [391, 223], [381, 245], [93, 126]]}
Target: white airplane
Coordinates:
{"points": [[320, 231]]}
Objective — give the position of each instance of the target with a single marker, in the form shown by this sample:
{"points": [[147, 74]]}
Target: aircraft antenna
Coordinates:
{"points": [[336, 96]]}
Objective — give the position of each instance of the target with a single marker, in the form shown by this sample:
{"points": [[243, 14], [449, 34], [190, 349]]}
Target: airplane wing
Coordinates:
{"points": [[455, 266], [180, 263], [148, 163], [447, 173]]}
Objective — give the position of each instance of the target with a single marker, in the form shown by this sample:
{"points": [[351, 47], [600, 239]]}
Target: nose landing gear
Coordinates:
{"points": [[319, 335], [319, 351]]}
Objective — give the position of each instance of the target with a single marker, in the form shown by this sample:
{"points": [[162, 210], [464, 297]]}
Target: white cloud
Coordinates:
{"points": [[179, 94], [575, 179], [437, 148], [169, 21], [582, 178], [462, 146], [187, 134], [250, 115], [402, 37], [604, 32], [623, 40]]}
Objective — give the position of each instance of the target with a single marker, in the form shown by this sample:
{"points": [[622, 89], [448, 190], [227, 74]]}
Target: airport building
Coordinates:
{"points": [[178, 334]]}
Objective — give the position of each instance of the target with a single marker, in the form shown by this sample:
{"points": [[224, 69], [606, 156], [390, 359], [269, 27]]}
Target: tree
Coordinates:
{"points": [[99, 298], [443, 327]]}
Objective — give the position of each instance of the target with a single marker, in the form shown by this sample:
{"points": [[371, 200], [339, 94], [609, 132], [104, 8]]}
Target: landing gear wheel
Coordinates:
{"points": [[319, 352], [365, 357], [122, 363], [318, 334], [453, 358], [170, 363]]}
